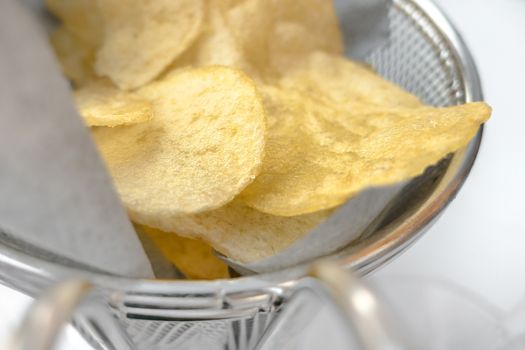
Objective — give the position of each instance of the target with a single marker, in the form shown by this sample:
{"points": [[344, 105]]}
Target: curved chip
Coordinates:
{"points": [[274, 34], [216, 45], [318, 156], [303, 27], [142, 38], [102, 104], [193, 257], [74, 54], [244, 234], [204, 145], [81, 17], [344, 82]]}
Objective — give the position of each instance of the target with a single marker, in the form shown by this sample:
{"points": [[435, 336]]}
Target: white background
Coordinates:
{"points": [[479, 242]]}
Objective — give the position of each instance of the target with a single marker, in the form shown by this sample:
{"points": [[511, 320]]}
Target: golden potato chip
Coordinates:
{"points": [[216, 45], [194, 258], [302, 27], [80, 17], [246, 21], [344, 82], [142, 38], [275, 33], [206, 165], [74, 55], [317, 155], [245, 234], [204, 145], [102, 104]]}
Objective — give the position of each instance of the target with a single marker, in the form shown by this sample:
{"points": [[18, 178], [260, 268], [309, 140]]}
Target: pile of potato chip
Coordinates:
{"points": [[240, 122]]}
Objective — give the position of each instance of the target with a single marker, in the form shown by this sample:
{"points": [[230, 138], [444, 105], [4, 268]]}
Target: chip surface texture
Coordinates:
{"points": [[245, 234], [102, 104], [318, 155], [204, 145], [142, 38]]}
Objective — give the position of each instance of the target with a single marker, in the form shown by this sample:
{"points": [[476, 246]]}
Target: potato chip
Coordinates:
{"points": [[142, 38], [80, 17], [275, 33], [302, 27], [191, 153], [216, 45], [194, 258], [245, 20], [204, 145], [245, 234], [74, 55], [102, 104], [344, 82], [318, 156]]}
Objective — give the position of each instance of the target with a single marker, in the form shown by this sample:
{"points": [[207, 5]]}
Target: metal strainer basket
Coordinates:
{"points": [[425, 56]]}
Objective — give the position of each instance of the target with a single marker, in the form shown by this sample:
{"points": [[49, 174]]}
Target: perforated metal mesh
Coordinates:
{"points": [[417, 57], [243, 333]]}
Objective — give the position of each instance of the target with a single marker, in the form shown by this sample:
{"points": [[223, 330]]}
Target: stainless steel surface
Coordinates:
{"points": [[47, 316], [364, 315], [75, 301], [374, 327], [426, 56], [366, 322]]}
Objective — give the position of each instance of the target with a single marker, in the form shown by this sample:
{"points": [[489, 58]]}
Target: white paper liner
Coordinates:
{"points": [[55, 193]]}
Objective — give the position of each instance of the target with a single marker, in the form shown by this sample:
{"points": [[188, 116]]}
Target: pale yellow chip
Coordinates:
{"points": [[142, 38], [102, 104], [334, 126], [193, 257], [204, 145], [216, 45], [302, 27], [318, 155], [344, 82], [80, 17], [275, 33], [76, 41], [74, 54], [244, 234]]}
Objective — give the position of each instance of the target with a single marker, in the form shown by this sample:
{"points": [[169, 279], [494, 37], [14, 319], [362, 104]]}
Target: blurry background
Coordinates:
{"points": [[479, 242]]}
